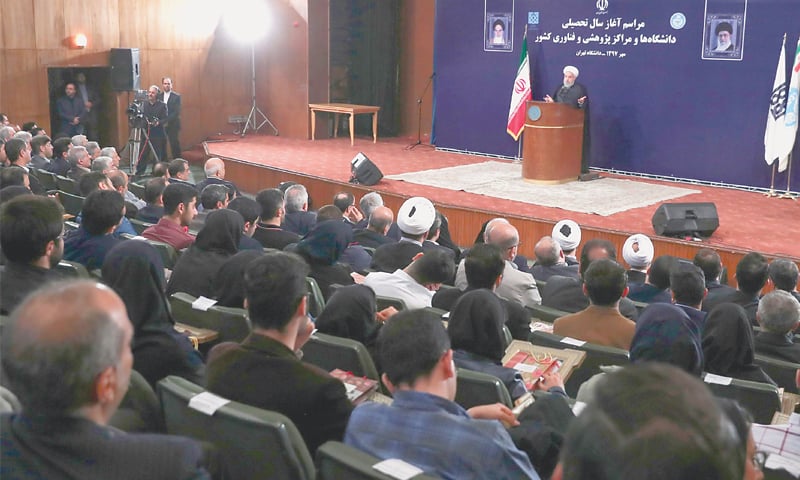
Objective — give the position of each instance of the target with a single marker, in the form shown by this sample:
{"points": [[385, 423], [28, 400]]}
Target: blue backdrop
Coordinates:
{"points": [[657, 106]]}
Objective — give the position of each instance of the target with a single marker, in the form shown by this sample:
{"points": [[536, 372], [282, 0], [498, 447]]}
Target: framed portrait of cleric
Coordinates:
{"points": [[498, 29], [723, 37]]}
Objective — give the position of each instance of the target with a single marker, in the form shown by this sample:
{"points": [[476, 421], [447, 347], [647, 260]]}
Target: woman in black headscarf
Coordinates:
{"points": [[321, 249], [216, 242], [476, 336], [351, 313], [135, 271], [728, 344], [229, 281]]}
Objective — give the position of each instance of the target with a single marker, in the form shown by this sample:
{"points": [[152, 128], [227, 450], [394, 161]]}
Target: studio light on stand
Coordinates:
{"points": [[247, 21]]}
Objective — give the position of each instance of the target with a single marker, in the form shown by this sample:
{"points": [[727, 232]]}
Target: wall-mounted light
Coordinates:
{"points": [[79, 40]]}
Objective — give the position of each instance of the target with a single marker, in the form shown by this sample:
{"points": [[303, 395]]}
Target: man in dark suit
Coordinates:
{"points": [[374, 235], [550, 261], [779, 315], [173, 125], [574, 94], [215, 175], [687, 286], [752, 273], [155, 114], [265, 369], [268, 230], [711, 264], [298, 219], [67, 357], [71, 111], [566, 294], [784, 274]]}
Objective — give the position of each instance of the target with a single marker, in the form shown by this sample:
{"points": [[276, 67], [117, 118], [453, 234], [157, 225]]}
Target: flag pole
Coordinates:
{"points": [[788, 193], [771, 192]]}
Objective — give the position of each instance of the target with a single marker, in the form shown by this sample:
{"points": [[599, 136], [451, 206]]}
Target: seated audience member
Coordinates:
{"points": [[743, 423], [229, 281], [119, 180], [179, 172], [752, 273], [216, 243], [321, 249], [103, 165], [423, 425], [60, 164], [550, 261], [779, 315], [32, 241], [687, 284], [354, 256], [153, 197], [79, 163], [250, 212], [79, 141], [368, 203], [568, 234], [93, 148], [135, 271], [476, 334], [656, 287], [651, 421], [298, 219], [14, 176], [663, 334], [416, 283], [215, 175], [111, 152], [18, 153], [67, 356], [728, 344], [93, 181], [515, 286], [213, 197], [264, 370], [351, 313], [180, 207], [784, 275], [346, 202], [161, 170], [102, 212], [445, 239], [484, 265], [268, 230], [605, 282], [638, 254], [378, 224], [432, 238], [41, 152], [414, 218], [14, 191], [566, 294]]}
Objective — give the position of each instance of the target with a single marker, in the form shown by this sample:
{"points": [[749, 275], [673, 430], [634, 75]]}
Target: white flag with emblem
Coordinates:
{"points": [[777, 109], [786, 131]]}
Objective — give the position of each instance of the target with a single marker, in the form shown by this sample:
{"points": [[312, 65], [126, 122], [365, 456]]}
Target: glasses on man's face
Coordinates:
{"points": [[759, 460]]}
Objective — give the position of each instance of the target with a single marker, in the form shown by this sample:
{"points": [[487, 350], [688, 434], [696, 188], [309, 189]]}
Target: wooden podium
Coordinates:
{"points": [[553, 143]]}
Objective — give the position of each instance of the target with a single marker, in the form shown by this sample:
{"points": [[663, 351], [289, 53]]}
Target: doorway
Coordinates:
{"points": [[102, 125]]}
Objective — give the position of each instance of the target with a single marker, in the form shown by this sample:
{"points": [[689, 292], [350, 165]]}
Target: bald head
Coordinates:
{"points": [[547, 251], [380, 220], [505, 236], [60, 341], [487, 231], [214, 167]]}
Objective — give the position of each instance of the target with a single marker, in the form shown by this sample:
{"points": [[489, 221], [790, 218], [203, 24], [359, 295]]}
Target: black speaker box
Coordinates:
{"points": [[682, 219], [125, 69], [363, 171]]}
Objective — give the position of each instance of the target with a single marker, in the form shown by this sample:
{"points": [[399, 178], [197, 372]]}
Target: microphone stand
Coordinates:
{"points": [[412, 146]]}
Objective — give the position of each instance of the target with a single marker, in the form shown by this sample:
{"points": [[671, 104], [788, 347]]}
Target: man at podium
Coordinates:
{"points": [[575, 94]]}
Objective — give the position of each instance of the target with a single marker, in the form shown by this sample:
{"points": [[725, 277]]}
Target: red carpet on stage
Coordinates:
{"points": [[748, 220]]}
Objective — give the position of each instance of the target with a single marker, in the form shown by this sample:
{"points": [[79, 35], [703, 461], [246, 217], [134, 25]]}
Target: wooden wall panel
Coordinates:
{"points": [[16, 18], [49, 25]]}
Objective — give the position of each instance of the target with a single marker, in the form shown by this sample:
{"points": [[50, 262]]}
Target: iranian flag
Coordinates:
{"points": [[520, 94], [787, 132]]}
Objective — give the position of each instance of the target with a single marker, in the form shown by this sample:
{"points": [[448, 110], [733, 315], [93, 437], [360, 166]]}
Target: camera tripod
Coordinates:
{"points": [[134, 147]]}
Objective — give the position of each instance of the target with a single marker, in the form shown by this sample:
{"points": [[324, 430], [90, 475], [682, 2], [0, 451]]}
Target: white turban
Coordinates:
{"points": [[572, 70], [638, 251], [568, 234]]}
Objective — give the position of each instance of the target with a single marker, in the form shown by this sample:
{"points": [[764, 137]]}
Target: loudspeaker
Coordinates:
{"points": [[125, 69], [682, 219], [363, 171]]}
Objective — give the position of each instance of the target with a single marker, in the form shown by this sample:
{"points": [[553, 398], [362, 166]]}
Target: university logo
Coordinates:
{"points": [[602, 5]]}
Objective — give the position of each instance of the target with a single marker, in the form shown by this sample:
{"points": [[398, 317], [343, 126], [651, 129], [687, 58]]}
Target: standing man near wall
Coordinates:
{"points": [[173, 125], [155, 113], [575, 94], [71, 111]]}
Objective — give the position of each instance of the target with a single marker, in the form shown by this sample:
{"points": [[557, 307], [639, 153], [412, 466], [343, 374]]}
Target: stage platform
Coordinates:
{"points": [[749, 221]]}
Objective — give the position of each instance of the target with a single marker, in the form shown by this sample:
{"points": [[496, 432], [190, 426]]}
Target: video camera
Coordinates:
{"points": [[135, 110]]}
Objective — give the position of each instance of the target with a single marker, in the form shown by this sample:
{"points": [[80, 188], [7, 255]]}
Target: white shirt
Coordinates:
{"points": [[400, 285]]}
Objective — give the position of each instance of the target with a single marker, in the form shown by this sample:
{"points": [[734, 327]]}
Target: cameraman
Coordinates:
{"points": [[155, 115]]}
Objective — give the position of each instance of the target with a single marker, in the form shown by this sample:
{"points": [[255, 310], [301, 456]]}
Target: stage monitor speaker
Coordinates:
{"points": [[125, 69], [363, 171], [686, 219]]}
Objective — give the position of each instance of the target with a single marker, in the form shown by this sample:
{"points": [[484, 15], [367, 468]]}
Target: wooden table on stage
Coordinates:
{"points": [[553, 144], [339, 108]]}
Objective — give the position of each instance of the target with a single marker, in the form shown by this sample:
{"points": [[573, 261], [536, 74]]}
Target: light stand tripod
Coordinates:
{"points": [[135, 145], [256, 118], [419, 116]]}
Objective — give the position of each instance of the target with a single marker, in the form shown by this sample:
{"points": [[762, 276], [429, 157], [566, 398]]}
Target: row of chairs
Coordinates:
{"points": [[257, 443]]}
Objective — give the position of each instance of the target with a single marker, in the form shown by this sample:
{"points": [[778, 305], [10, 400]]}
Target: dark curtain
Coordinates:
{"points": [[365, 60]]}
